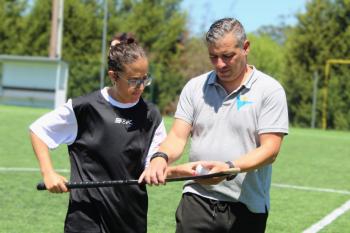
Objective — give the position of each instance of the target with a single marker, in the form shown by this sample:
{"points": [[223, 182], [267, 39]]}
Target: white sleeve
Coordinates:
{"points": [[158, 138], [57, 127]]}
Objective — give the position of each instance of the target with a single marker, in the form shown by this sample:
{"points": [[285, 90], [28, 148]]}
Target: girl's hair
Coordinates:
{"points": [[125, 50]]}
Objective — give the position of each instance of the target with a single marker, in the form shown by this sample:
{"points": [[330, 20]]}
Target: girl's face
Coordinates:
{"points": [[130, 84]]}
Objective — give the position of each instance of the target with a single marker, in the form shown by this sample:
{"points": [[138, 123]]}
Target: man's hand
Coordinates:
{"points": [[213, 166], [186, 169], [155, 173]]}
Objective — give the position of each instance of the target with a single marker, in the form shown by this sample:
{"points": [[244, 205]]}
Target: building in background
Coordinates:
{"points": [[33, 81]]}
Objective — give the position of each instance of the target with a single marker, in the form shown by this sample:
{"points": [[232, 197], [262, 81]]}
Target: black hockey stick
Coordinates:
{"points": [[111, 183]]}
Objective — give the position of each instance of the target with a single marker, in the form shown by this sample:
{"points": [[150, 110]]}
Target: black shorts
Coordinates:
{"points": [[196, 214]]}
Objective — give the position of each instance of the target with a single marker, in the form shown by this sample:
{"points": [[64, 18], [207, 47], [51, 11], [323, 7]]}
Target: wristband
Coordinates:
{"points": [[230, 165], [160, 154]]}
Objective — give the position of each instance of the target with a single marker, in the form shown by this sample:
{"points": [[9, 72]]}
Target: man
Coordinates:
{"points": [[236, 117]]}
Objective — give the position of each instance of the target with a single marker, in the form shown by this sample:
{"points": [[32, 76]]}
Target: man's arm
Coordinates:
{"points": [[265, 154], [176, 140], [173, 147]]}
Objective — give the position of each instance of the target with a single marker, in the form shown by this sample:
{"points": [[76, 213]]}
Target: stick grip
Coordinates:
{"points": [[41, 186], [92, 184]]}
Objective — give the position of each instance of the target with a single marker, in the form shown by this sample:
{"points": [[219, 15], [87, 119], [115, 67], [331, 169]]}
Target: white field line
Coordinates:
{"points": [[328, 219], [306, 188], [27, 169]]}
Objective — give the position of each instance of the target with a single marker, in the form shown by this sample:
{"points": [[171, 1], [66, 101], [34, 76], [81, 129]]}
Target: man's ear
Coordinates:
{"points": [[246, 46]]}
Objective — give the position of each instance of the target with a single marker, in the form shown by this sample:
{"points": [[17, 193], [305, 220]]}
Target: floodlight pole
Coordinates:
{"points": [[56, 29], [314, 100], [55, 51], [60, 29], [103, 49]]}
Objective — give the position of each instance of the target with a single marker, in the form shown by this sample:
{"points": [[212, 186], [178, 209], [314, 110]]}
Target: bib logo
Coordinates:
{"points": [[241, 101], [122, 121]]}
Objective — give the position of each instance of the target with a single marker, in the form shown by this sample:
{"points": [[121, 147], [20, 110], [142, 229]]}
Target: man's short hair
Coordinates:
{"points": [[222, 27]]}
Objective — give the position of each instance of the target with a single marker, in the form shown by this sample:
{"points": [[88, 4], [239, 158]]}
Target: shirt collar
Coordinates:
{"points": [[247, 84], [114, 102], [251, 79], [212, 78]]}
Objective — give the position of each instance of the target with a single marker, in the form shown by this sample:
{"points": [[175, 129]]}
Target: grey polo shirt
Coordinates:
{"points": [[227, 126]]}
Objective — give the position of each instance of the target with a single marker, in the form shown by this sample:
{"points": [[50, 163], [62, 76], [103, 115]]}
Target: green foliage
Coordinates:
{"points": [[195, 60], [322, 33], [290, 54], [82, 45], [157, 25], [12, 25], [266, 55], [37, 32], [276, 33]]}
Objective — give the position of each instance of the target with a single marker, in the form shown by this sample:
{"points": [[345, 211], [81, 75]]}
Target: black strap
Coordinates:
{"points": [[160, 154]]}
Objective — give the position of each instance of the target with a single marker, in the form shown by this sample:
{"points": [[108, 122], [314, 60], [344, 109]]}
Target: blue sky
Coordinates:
{"points": [[251, 13]]}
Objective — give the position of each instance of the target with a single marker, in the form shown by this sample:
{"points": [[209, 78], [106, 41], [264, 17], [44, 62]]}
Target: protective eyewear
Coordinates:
{"points": [[136, 82]]}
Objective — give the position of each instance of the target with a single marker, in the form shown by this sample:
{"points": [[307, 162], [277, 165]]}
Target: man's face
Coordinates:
{"points": [[228, 59]]}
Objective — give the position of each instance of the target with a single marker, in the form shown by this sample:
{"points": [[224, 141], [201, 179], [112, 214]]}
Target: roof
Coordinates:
{"points": [[4, 57]]}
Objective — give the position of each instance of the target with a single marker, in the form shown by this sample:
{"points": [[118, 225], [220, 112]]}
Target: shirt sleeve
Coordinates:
{"points": [[158, 138], [273, 117], [185, 110], [57, 127]]}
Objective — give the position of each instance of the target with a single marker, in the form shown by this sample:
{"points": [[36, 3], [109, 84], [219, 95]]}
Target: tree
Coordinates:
{"points": [[159, 25], [266, 55], [82, 44], [276, 33], [12, 26], [322, 32], [195, 60], [38, 28], [81, 37]]}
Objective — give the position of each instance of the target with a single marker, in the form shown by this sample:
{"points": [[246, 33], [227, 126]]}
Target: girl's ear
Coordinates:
{"points": [[112, 76]]}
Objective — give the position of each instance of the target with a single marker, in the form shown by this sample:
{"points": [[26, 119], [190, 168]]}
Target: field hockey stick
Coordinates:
{"points": [[111, 183]]}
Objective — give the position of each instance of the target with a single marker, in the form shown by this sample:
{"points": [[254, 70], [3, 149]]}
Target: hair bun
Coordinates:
{"points": [[130, 40], [123, 38]]}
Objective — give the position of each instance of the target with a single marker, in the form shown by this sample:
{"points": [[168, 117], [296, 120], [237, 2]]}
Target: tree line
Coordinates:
{"points": [[291, 54]]}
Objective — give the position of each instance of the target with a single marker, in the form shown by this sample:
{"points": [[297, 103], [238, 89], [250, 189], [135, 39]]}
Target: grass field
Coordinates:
{"points": [[311, 179]]}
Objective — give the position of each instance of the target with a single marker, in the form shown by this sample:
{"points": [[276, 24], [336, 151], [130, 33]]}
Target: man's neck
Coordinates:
{"points": [[233, 85]]}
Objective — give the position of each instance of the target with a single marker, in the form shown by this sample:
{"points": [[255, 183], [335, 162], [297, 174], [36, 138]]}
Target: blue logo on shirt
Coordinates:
{"points": [[241, 101]]}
